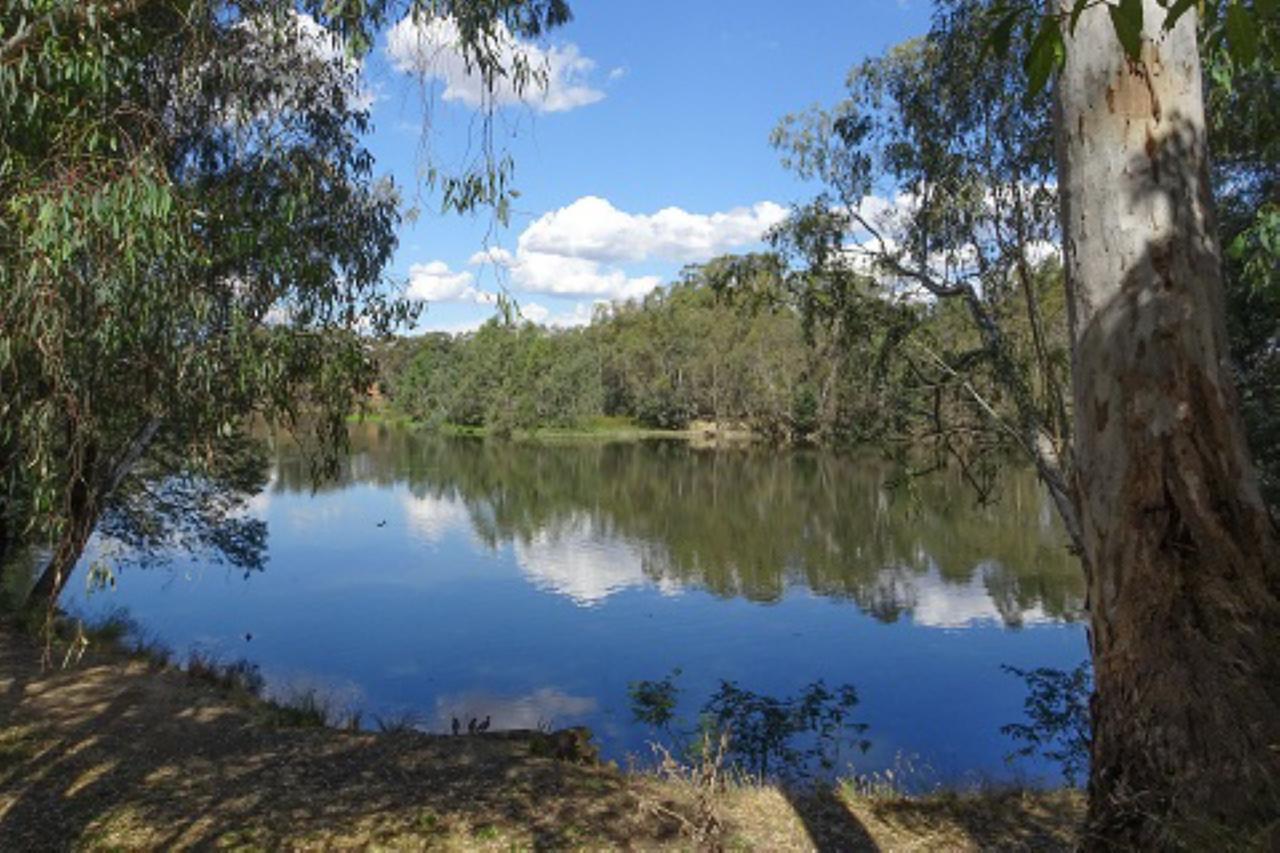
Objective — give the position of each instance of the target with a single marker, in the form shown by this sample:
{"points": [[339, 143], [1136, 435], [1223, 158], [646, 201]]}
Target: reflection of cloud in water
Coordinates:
{"points": [[339, 696], [939, 603], [257, 506], [431, 518], [547, 706], [577, 560]]}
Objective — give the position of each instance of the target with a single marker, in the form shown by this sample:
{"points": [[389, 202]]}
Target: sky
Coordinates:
{"points": [[647, 150]]}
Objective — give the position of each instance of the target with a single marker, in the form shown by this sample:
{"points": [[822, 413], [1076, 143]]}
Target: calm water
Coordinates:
{"points": [[532, 583]]}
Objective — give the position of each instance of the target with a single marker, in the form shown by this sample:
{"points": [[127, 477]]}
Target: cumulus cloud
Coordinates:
{"points": [[432, 519], [435, 282], [593, 229], [535, 313], [563, 275], [431, 49], [942, 604], [493, 255], [581, 315], [580, 249]]}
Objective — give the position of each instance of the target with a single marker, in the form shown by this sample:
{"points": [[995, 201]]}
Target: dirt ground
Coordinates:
{"points": [[116, 754]]}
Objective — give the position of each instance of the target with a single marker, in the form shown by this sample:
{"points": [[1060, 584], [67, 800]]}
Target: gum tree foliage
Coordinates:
{"points": [[929, 257], [1155, 480], [191, 234], [1057, 718], [1244, 134], [687, 352], [504, 377], [769, 737]]}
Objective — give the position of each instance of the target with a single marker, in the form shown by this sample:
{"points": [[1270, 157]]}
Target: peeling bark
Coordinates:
{"points": [[1180, 553]]}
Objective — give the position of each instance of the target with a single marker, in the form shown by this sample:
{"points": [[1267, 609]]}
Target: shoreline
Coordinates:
{"points": [[604, 429], [126, 751]]}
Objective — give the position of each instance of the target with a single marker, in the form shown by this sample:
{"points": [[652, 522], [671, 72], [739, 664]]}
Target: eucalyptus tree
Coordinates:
{"points": [[1179, 551], [192, 235], [929, 252], [1181, 555]]}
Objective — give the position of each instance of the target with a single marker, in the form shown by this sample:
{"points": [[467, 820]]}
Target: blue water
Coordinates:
{"points": [[532, 584]]}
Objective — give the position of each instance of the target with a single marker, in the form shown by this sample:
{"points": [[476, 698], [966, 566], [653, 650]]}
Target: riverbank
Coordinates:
{"points": [[601, 428], [119, 751]]}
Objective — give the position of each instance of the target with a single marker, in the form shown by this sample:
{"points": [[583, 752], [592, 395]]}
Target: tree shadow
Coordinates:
{"points": [[115, 754], [831, 825]]}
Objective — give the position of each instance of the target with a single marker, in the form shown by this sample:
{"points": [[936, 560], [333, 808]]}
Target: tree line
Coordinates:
{"points": [[712, 348]]}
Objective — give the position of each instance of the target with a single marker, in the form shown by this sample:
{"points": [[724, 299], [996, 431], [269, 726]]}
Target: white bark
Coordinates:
{"points": [[1178, 546]]}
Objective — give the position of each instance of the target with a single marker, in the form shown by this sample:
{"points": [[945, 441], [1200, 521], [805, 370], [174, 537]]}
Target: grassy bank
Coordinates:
{"points": [[126, 751], [602, 427]]}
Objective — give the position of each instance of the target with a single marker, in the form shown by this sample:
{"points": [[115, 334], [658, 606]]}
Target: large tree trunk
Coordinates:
{"points": [[1181, 556]]}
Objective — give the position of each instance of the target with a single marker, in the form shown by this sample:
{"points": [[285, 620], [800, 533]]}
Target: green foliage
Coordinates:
{"points": [[1057, 710], [1244, 133], [741, 523], [1245, 29], [503, 377], [944, 312], [692, 352], [767, 737], [192, 236], [958, 124], [654, 702], [763, 729]]}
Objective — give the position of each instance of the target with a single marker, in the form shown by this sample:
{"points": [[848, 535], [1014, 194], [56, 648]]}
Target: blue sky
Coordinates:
{"points": [[648, 150]]}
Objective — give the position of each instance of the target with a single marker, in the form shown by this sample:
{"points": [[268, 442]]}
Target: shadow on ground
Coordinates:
{"points": [[113, 754]]}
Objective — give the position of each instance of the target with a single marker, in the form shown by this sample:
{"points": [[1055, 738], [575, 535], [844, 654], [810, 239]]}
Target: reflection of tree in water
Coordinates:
{"points": [[744, 522]]}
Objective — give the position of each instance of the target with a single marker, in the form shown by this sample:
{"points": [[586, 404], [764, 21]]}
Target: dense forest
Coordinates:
{"points": [[716, 347]]}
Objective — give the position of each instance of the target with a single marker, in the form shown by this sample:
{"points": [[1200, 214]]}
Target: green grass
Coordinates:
{"points": [[610, 427], [601, 427], [380, 416]]}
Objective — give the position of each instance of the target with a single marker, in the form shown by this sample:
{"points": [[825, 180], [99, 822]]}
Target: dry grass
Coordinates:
{"points": [[118, 754]]}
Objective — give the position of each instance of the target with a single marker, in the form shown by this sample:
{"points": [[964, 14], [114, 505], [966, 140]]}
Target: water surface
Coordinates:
{"points": [[533, 582]]}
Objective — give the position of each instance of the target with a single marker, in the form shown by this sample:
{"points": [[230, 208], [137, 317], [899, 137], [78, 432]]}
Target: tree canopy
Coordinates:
{"points": [[192, 234]]}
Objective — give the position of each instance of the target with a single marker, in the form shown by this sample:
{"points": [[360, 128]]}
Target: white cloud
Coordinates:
{"points": [[580, 249], [435, 282], [563, 275], [593, 229], [534, 313], [432, 50], [581, 315], [938, 603], [495, 255]]}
